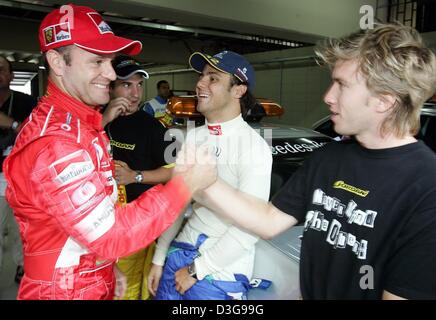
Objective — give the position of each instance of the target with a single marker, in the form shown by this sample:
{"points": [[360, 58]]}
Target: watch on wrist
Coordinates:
{"points": [[191, 270], [15, 125], [139, 177]]}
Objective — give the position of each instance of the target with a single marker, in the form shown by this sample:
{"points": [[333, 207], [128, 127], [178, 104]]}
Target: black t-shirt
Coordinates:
{"points": [[18, 106], [370, 221], [138, 140]]}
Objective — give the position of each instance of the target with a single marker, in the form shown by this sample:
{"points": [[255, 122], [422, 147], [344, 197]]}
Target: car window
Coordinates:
{"points": [[289, 153], [327, 128], [428, 130], [281, 172]]}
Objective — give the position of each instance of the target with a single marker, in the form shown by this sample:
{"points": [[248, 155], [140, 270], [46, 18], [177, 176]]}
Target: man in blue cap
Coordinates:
{"points": [[211, 258]]}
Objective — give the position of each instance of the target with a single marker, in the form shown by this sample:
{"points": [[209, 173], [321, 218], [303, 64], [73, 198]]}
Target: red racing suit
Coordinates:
{"points": [[62, 191]]}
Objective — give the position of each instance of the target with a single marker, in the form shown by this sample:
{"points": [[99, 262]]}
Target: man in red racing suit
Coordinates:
{"points": [[62, 191]]}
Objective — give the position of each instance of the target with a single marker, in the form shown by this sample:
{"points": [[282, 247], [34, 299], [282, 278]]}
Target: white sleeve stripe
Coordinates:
{"points": [[98, 221], [78, 130], [46, 122]]}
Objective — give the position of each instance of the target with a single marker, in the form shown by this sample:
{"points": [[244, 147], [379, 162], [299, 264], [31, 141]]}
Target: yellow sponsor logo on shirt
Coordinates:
{"points": [[342, 185], [123, 145], [122, 195]]}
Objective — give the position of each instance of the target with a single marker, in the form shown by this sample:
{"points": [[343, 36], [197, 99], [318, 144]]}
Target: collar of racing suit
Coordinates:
{"points": [[224, 128], [61, 99]]}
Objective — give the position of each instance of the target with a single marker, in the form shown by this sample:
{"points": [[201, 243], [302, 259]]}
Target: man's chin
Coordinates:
{"points": [[338, 130], [100, 100], [96, 102], [132, 109], [201, 107]]}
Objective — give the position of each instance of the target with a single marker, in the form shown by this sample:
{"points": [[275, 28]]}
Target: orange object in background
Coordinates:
{"points": [[272, 108], [183, 106], [186, 107]]}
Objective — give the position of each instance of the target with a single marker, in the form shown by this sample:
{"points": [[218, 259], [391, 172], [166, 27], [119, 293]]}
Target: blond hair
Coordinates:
{"points": [[394, 61]]}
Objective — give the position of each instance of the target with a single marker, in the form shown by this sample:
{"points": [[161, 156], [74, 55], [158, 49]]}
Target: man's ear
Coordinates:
{"points": [[240, 90], [385, 103], [56, 62]]}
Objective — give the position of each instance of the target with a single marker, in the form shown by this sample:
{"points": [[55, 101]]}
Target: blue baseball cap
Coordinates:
{"points": [[227, 62]]}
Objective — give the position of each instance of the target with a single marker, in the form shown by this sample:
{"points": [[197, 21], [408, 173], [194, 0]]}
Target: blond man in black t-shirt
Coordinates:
{"points": [[368, 204]]}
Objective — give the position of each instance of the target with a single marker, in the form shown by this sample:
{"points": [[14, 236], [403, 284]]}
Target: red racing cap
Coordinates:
{"points": [[85, 28]]}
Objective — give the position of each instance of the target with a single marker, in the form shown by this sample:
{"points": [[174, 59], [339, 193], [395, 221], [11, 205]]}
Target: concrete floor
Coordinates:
{"points": [[8, 287]]}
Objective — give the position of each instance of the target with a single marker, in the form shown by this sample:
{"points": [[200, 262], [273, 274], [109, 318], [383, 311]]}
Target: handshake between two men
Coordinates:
{"points": [[197, 166]]}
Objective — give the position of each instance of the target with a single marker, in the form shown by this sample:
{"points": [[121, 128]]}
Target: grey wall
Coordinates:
{"points": [[298, 86], [299, 90]]}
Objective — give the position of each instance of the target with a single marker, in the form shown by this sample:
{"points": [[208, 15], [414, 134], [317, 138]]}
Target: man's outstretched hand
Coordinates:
{"points": [[197, 166]]}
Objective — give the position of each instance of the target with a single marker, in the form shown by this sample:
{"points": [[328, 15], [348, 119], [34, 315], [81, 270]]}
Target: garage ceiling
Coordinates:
{"points": [[171, 30], [168, 31]]}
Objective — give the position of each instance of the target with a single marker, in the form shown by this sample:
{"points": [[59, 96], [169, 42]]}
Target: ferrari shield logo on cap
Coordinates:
{"points": [[48, 35]]}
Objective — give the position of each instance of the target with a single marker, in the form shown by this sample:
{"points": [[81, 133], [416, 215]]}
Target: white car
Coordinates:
{"points": [[278, 260]]}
